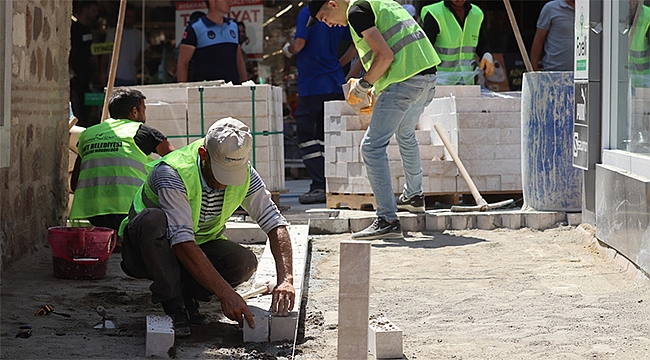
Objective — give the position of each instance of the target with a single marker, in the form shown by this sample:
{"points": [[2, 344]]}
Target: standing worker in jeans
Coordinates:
{"points": [[400, 65], [320, 76], [455, 28], [112, 156]]}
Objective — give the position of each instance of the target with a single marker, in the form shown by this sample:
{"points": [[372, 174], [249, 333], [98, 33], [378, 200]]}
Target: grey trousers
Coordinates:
{"points": [[146, 254]]}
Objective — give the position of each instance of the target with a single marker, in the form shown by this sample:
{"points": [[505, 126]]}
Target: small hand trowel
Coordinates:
{"points": [[105, 323]]}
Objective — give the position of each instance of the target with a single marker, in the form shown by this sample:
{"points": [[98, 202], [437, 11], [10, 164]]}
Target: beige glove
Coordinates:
{"points": [[359, 91], [371, 101], [487, 64]]}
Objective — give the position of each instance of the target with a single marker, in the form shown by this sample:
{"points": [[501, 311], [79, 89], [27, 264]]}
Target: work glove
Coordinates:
{"points": [[371, 102], [487, 64], [285, 50], [359, 91]]}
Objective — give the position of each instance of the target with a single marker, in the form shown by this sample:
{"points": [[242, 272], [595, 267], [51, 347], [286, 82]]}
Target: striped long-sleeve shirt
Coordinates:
{"points": [[172, 195]]}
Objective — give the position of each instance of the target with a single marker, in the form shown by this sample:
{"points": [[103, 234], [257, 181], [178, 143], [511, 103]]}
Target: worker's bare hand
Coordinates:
{"points": [[234, 307], [284, 297]]}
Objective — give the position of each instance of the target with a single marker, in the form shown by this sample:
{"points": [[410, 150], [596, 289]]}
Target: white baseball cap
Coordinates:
{"points": [[229, 143]]}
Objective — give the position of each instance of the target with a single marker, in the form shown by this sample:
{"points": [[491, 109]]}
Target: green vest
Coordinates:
{"points": [[112, 169], [455, 46], [412, 50], [639, 56], [185, 162]]}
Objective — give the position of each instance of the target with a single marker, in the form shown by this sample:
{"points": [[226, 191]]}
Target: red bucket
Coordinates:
{"points": [[81, 253]]}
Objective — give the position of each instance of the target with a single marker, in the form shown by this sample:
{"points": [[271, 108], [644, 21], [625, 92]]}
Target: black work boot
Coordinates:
{"points": [[179, 317], [195, 318]]}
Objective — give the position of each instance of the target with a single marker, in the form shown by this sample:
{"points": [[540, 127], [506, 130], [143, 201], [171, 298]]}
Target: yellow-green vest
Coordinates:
{"points": [[455, 46], [639, 56], [412, 50], [112, 169], [185, 162]]}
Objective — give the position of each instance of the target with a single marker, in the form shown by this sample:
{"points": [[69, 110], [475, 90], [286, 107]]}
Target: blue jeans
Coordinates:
{"points": [[396, 111]]}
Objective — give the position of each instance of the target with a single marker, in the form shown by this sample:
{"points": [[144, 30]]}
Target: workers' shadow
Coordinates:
{"points": [[428, 240]]}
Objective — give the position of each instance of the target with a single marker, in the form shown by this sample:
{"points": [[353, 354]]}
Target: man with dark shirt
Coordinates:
{"points": [[110, 166], [81, 63], [455, 28], [402, 71], [212, 45]]}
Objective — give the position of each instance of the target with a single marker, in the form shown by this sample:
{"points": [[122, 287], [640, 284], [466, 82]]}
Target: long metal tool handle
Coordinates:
{"points": [[477, 196], [520, 41]]}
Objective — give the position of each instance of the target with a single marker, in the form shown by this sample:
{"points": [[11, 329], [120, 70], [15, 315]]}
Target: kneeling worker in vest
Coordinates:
{"points": [[400, 65], [455, 28], [110, 166], [174, 232]]}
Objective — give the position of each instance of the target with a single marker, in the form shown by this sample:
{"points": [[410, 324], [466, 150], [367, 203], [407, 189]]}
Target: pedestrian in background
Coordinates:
{"points": [[555, 37], [320, 77], [81, 63], [401, 71], [455, 28], [130, 51], [212, 45]]}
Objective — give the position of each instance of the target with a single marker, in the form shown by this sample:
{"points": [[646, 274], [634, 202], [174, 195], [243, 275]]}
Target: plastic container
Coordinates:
{"points": [[549, 180], [81, 253]]}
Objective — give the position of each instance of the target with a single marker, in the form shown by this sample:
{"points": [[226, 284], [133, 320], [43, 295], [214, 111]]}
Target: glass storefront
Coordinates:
{"points": [[630, 125]]}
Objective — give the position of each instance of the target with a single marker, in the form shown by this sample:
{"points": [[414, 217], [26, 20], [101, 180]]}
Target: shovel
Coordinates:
{"points": [[481, 204]]}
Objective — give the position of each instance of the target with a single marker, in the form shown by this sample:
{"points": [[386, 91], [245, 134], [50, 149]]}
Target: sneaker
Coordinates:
{"points": [[195, 317], [181, 324], [380, 229], [316, 196], [414, 204]]}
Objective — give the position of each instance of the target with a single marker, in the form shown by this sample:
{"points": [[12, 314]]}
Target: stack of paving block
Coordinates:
{"points": [[184, 112], [489, 138], [485, 132]]}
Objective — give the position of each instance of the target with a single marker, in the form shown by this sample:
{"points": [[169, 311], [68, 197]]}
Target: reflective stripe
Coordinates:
{"points": [[397, 28], [399, 45], [313, 155], [469, 49], [447, 51], [311, 143], [453, 64], [92, 163], [639, 53], [108, 180], [639, 67]]}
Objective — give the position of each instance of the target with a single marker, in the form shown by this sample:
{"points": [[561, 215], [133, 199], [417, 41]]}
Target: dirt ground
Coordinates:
{"points": [[473, 294]]}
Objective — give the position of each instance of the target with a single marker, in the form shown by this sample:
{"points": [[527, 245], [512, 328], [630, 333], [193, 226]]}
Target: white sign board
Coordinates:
{"points": [[581, 40]]}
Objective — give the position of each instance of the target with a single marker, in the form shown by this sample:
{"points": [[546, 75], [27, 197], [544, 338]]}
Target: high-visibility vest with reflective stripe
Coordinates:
{"points": [[112, 169], [412, 50], [455, 46], [639, 56], [185, 162]]}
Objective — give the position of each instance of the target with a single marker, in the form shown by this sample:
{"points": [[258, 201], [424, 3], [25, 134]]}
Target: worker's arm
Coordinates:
{"points": [[74, 178], [537, 47], [349, 54], [185, 53], [296, 45], [164, 148], [241, 65], [202, 270], [284, 294], [383, 54], [355, 69]]}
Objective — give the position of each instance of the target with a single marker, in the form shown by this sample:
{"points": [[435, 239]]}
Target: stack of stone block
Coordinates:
{"points": [[184, 112], [485, 132]]}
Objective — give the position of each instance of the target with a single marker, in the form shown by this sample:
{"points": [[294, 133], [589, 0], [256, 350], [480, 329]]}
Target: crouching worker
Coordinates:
{"points": [[173, 234]]}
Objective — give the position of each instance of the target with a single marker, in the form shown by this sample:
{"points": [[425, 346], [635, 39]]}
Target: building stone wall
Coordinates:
{"points": [[34, 193]]}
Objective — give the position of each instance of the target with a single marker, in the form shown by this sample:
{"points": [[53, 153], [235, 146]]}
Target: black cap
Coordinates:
{"points": [[314, 8]]}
